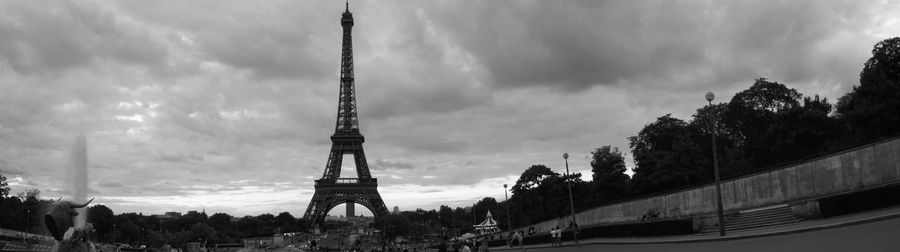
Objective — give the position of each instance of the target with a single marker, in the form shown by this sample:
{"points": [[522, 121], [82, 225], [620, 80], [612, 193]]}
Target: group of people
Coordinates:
{"points": [[514, 239], [556, 236], [480, 245], [467, 246]]}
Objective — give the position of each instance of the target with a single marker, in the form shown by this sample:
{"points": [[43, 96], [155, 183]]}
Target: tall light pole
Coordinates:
{"points": [[709, 98], [27, 219], [571, 201], [473, 218], [508, 206]]}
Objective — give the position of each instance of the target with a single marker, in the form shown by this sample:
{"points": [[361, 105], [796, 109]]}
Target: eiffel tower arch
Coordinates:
{"points": [[332, 189]]}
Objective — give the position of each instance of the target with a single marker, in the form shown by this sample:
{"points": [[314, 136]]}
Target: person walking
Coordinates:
{"points": [[484, 246], [556, 235], [574, 227], [517, 236], [465, 248], [552, 237]]}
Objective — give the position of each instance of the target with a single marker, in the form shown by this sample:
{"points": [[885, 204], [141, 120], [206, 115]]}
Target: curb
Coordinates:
{"points": [[727, 238]]}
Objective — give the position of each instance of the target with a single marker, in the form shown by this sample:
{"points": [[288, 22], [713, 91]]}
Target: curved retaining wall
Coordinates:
{"points": [[864, 167]]}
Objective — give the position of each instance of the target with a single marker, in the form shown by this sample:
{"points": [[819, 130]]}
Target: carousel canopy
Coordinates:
{"points": [[488, 223]]}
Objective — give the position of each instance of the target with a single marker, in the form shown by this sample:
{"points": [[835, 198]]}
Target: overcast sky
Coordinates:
{"points": [[228, 106]]}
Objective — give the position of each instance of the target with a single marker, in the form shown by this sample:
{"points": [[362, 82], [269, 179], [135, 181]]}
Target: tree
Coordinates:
{"points": [[803, 130], [127, 231], [12, 213], [285, 222], [870, 110], [29, 193], [610, 181], [751, 114], [532, 178], [394, 225], [102, 217], [249, 226], [4, 187], [221, 222], [729, 144], [202, 231], [666, 156]]}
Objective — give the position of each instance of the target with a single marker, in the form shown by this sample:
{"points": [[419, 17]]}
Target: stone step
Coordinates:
{"points": [[759, 224], [759, 221], [715, 231], [757, 218], [784, 210], [762, 215]]}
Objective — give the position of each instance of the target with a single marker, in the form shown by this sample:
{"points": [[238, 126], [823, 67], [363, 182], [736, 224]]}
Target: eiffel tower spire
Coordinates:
{"points": [[347, 120]]}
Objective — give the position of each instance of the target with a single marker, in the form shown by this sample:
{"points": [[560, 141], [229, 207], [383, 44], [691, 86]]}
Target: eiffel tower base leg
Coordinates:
{"points": [[329, 195]]}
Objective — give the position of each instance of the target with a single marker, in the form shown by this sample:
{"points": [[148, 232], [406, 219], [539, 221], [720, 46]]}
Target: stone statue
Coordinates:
{"points": [[61, 216]]}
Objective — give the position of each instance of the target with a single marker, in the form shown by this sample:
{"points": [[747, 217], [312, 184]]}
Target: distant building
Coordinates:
{"points": [[167, 216], [396, 210]]}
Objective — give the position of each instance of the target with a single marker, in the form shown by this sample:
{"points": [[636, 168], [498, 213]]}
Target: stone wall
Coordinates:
{"points": [[864, 167]]}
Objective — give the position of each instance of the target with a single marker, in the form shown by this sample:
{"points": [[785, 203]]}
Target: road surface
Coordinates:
{"points": [[876, 236]]}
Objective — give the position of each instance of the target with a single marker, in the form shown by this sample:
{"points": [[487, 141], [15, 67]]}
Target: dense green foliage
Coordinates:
{"points": [[609, 179], [871, 109]]}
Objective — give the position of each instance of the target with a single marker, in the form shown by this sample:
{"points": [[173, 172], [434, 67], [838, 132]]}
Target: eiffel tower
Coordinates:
{"points": [[331, 189]]}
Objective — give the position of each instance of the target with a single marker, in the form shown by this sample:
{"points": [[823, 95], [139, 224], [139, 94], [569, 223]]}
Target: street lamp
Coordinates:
{"points": [[571, 201], [508, 206], [441, 223], [27, 219], [473, 218], [709, 98]]}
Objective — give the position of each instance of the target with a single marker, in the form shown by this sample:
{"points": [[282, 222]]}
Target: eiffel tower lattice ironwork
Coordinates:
{"points": [[331, 189]]}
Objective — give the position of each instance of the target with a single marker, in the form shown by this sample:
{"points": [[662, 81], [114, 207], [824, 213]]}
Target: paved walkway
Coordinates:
{"points": [[803, 226]]}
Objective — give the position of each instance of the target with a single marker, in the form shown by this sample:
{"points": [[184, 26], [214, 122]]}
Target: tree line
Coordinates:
{"points": [[22, 213]]}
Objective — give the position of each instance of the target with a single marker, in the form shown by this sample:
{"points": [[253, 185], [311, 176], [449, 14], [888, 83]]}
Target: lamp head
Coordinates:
{"points": [[710, 96], [565, 155]]}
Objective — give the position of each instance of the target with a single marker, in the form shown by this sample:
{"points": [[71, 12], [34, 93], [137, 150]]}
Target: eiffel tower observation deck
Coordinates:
{"points": [[332, 189]]}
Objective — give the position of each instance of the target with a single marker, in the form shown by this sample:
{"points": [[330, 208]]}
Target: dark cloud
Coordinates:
{"points": [[45, 37], [271, 40], [578, 44], [8, 170]]}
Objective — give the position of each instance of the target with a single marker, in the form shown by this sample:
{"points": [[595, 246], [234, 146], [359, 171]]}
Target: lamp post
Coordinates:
{"points": [[571, 201], [27, 219], [709, 98], [508, 206], [473, 218], [441, 223]]}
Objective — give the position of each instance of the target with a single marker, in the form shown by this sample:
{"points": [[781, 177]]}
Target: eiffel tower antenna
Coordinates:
{"points": [[332, 189]]}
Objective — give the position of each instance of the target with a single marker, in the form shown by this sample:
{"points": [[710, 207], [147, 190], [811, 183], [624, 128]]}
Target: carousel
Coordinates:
{"points": [[488, 226]]}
